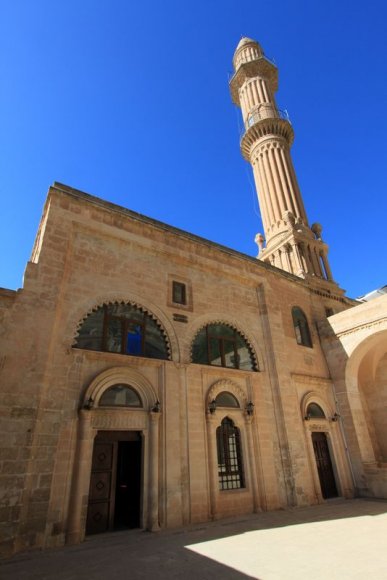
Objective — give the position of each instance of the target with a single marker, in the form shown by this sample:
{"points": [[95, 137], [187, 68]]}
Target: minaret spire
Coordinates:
{"points": [[291, 244]]}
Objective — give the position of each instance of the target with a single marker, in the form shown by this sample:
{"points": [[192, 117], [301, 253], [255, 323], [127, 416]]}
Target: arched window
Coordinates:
{"points": [[122, 328], [230, 467], [314, 411], [226, 399], [223, 346], [120, 396], [301, 327]]}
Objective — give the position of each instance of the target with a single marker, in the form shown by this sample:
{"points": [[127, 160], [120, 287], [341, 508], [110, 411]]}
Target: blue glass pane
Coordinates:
{"points": [[134, 339], [155, 345]]}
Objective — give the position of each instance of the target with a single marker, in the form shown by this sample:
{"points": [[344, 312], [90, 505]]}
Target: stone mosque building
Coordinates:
{"points": [[151, 378]]}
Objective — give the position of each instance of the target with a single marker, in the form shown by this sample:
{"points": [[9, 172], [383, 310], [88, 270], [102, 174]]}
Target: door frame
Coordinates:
{"points": [[115, 438], [91, 419], [334, 473], [333, 431]]}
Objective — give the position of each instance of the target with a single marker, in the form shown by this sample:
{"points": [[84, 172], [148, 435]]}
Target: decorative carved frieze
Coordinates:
{"points": [[117, 420], [318, 427]]}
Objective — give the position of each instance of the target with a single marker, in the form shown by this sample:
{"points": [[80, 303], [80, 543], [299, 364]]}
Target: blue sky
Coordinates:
{"points": [[129, 101]]}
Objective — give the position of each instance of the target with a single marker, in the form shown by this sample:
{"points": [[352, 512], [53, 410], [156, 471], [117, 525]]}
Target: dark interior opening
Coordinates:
{"points": [[115, 482]]}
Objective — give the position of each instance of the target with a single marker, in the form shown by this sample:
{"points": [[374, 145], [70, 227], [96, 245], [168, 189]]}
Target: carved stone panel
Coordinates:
{"points": [[117, 420]]}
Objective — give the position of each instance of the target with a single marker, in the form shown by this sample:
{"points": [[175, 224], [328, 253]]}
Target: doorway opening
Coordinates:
{"points": [[324, 465], [115, 482]]}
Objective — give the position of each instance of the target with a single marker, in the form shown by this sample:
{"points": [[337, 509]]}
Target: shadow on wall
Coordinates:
{"points": [[357, 359]]}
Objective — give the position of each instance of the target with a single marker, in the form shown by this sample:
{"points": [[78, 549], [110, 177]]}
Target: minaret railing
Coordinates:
{"points": [[266, 112]]}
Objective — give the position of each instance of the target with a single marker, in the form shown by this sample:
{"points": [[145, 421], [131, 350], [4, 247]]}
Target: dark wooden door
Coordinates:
{"points": [[324, 465], [115, 482], [102, 487]]}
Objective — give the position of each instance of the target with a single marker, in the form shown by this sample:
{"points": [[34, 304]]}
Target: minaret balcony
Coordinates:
{"points": [[260, 67], [263, 123], [265, 112]]}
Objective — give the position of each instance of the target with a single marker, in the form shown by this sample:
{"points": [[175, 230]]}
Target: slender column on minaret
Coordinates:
{"points": [[291, 244]]}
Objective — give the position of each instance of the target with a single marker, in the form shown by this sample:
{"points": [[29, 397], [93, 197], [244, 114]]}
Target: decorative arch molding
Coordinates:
{"points": [[121, 375], [229, 386], [376, 341], [84, 310], [368, 426], [314, 397], [202, 322]]}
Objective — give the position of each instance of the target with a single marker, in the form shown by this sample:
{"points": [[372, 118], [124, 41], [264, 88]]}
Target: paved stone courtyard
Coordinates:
{"points": [[340, 539]]}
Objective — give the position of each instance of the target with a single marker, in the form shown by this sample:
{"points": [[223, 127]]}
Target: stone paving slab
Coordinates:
{"points": [[337, 540]]}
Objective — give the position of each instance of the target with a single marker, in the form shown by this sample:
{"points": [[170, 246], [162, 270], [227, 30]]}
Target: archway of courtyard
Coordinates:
{"points": [[366, 386]]}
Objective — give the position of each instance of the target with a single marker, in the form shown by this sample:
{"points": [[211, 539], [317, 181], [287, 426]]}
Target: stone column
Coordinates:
{"points": [[81, 479], [326, 266], [300, 267], [153, 503], [287, 251], [253, 467], [212, 464]]}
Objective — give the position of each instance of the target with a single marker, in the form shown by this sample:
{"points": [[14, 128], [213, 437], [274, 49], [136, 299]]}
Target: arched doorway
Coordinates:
{"points": [[327, 460], [324, 465], [115, 482], [117, 456]]}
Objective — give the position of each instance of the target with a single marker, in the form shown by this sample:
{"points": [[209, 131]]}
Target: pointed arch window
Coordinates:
{"points": [[125, 329], [230, 468], [221, 345], [301, 327]]}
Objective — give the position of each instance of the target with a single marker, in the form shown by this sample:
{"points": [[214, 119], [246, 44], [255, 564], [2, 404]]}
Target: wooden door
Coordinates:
{"points": [[324, 465], [102, 487], [115, 482]]}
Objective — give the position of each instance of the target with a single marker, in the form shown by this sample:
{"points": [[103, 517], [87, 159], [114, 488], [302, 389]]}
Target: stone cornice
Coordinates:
{"points": [[362, 326]]}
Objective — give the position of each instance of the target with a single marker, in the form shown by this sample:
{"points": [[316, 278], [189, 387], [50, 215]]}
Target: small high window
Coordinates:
{"points": [[314, 411], [230, 467], [223, 346], [226, 399], [179, 294], [301, 327], [120, 396], [125, 329]]}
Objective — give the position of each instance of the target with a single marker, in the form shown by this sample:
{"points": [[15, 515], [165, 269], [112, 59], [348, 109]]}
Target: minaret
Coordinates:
{"points": [[268, 134]]}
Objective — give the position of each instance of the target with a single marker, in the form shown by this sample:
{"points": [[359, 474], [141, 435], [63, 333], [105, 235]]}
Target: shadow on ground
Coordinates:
{"points": [[254, 546]]}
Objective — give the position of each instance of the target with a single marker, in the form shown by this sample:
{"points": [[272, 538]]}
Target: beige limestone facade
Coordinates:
{"points": [[150, 378]]}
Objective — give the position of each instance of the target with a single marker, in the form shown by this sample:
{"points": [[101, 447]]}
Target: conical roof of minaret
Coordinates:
{"points": [[245, 40], [247, 50]]}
